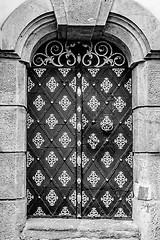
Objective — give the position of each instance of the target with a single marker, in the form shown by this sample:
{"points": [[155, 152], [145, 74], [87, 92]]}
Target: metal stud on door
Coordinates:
{"points": [[79, 121]]}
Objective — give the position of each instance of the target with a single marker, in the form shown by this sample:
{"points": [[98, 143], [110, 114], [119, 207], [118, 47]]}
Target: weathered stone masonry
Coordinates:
{"points": [[137, 33]]}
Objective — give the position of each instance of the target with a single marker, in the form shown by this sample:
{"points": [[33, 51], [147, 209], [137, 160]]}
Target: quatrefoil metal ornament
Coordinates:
{"points": [[106, 124]]}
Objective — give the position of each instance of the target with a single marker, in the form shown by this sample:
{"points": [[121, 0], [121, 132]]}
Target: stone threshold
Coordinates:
{"points": [[49, 229]]}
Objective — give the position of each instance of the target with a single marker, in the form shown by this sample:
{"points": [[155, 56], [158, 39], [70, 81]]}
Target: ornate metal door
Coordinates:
{"points": [[79, 158]]}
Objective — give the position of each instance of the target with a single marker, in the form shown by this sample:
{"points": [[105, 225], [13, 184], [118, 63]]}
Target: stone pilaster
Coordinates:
{"points": [[146, 146], [12, 146]]}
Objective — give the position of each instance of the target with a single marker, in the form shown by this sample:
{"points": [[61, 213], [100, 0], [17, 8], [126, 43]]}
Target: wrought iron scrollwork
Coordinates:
{"points": [[54, 54], [71, 53]]}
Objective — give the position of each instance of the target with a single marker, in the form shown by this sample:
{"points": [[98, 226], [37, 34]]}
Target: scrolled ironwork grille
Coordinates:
{"points": [[79, 121]]}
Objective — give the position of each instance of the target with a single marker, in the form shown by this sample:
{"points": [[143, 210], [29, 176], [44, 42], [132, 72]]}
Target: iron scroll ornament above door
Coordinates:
{"points": [[71, 53]]}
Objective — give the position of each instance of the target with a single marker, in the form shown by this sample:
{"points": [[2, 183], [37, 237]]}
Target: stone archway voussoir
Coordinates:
{"points": [[81, 19]]}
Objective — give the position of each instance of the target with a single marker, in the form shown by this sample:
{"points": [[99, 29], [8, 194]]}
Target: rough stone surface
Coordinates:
{"points": [[146, 130], [81, 229], [146, 87], [124, 38], [142, 18], [82, 12], [104, 12], [12, 219], [72, 15], [147, 216], [12, 175], [146, 176], [16, 22], [12, 129], [59, 10], [13, 82]]}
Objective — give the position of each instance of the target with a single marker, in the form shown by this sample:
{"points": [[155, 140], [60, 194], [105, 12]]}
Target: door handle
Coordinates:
{"points": [[106, 124]]}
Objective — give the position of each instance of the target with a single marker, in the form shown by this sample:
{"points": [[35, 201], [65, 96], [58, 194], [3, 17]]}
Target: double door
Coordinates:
{"points": [[79, 155]]}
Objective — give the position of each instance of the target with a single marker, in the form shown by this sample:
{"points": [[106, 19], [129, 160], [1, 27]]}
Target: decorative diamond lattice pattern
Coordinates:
{"points": [[85, 84], [39, 103], [38, 178], [72, 84], [107, 159], [52, 197], [120, 179], [85, 199], [93, 141], [29, 121], [120, 213], [120, 141], [38, 140], [118, 71], [30, 159], [65, 140], [30, 197], [84, 160], [64, 178], [119, 104], [52, 84], [51, 121], [73, 120], [93, 103], [39, 212], [73, 198], [128, 86], [65, 212], [65, 103], [73, 159], [51, 159], [93, 213], [129, 159], [64, 71], [39, 71], [106, 124], [84, 121], [106, 85], [93, 71], [107, 199], [93, 178], [72, 164], [128, 122], [129, 198], [30, 84]]}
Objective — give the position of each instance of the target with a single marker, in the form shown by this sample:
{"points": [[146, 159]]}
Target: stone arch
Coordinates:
{"points": [[134, 30]]}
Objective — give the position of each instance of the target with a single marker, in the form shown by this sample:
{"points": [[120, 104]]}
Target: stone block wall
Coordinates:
{"points": [[12, 147], [146, 148]]}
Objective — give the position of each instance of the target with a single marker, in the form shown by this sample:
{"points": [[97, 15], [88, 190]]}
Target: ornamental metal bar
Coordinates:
{"points": [[79, 143]]}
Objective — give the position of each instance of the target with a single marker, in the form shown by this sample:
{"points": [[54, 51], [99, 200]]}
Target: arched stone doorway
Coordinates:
{"points": [[138, 37]]}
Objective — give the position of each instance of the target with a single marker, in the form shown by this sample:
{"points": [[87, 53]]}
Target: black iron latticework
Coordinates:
{"points": [[79, 121]]}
